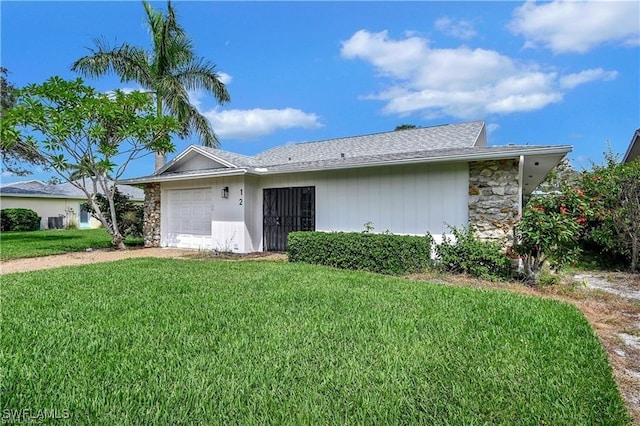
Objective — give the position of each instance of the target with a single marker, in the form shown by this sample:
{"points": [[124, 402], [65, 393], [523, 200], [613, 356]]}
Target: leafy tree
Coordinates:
{"points": [[129, 215], [17, 154], [168, 70], [82, 133], [614, 189], [405, 127], [550, 230]]}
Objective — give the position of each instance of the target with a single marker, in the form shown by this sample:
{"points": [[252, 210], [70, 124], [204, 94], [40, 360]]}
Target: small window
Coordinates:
{"points": [[84, 218]]}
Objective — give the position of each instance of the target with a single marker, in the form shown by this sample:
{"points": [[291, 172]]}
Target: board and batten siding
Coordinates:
{"points": [[409, 199]]}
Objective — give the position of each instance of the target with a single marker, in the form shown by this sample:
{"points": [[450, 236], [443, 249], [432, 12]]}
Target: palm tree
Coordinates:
{"points": [[168, 70]]}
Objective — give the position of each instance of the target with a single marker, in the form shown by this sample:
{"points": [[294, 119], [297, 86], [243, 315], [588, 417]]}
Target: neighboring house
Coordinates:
{"points": [[633, 151], [406, 182], [58, 205]]}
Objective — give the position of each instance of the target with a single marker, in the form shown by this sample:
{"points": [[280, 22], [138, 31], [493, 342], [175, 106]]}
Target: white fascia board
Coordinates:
{"points": [[160, 178], [190, 149], [55, 197], [175, 160], [46, 196], [562, 149], [634, 146], [482, 133], [213, 157]]}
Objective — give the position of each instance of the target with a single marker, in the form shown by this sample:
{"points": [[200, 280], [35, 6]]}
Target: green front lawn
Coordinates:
{"points": [[214, 342], [15, 245]]}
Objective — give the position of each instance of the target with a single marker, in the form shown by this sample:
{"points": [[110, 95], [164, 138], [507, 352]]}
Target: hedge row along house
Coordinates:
{"points": [[405, 182]]}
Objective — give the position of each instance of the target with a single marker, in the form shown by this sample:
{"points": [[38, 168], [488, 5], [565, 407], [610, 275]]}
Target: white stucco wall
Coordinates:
{"points": [[49, 207]]}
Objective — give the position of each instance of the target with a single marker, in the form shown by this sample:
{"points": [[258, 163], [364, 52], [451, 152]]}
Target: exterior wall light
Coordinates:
{"points": [[225, 192]]}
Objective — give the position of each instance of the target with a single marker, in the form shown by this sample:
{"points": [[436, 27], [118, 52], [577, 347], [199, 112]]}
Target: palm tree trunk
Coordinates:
{"points": [[160, 157], [160, 160]]}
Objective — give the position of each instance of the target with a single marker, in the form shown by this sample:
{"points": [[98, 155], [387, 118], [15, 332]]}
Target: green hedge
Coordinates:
{"points": [[382, 253], [466, 254], [19, 220]]}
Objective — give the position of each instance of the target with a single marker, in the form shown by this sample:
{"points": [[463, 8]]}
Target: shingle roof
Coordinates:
{"points": [[447, 143], [61, 190], [399, 156], [237, 160], [380, 144], [374, 146]]}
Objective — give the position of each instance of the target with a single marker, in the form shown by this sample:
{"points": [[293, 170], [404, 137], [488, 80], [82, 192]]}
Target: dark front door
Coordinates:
{"points": [[287, 210]]}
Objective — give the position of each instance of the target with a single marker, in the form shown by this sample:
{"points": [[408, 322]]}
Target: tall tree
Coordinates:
{"points": [[88, 138], [614, 189], [169, 69], [15, 154]]}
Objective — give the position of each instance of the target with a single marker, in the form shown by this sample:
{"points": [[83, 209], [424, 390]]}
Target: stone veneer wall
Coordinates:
{"points": [[494, 199], [151, 227]]}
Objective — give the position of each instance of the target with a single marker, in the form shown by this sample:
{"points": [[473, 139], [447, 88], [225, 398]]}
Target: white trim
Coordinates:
{"points": [[520, 184], [262, 171], [197, 149], [178, 177], [56, 197], [563, 149], [214, 157]]}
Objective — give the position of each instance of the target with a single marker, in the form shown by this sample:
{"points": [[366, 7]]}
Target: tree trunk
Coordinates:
{"points": [[161, 157], [160, 160], [117, 241], [634, 253]]}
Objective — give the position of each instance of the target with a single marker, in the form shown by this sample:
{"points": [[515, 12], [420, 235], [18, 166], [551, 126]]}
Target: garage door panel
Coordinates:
{"points": [[189, 221]]}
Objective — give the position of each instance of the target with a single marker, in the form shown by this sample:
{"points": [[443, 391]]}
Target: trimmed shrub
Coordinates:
{"points": [[381, 253], [468, 255], [129, 215], [19, 220]]}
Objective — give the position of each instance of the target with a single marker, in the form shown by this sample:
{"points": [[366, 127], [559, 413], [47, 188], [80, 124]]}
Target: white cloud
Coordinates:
{"points": [[572, 80], [492, 127], [577, 26], [464, 83], [224, 78], [195, 97], [459, 29], [254, 123]]}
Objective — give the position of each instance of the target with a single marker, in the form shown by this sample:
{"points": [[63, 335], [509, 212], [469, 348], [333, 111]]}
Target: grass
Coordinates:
{"points": [[215, 342], [14, 245]]}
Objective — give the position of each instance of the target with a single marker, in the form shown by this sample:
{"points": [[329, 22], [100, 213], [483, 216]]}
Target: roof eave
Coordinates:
{"points": [[179, 177], [53, 196], [561, 149], [634, 148], [199, 150]]}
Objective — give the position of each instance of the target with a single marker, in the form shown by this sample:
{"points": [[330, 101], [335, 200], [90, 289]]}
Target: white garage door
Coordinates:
{"points": [[189, 218]]}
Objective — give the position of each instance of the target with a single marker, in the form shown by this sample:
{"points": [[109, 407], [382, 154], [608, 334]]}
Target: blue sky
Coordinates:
{"points": [[537, 73]]}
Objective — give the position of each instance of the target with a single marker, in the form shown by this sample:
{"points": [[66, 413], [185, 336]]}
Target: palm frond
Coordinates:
{"points": [[128, 62], [178, 105], [202, 74], [170, 70]]}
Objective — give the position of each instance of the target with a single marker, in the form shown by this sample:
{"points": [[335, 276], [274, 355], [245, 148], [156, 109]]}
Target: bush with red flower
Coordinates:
{"points": [[550, 230]]}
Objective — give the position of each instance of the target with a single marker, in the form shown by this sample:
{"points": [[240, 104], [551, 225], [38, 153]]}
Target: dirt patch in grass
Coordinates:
{"points": [[110, 255], [610, 301]]}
